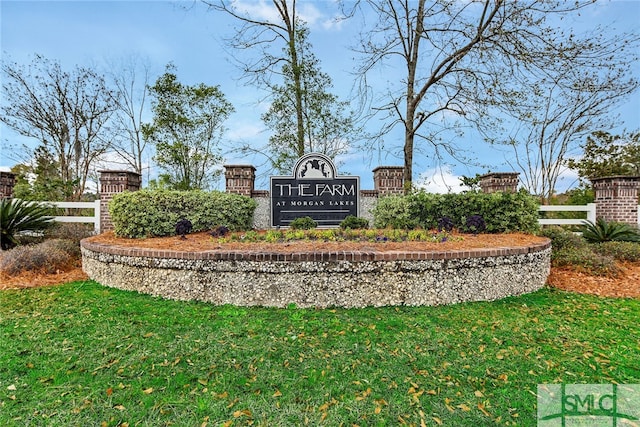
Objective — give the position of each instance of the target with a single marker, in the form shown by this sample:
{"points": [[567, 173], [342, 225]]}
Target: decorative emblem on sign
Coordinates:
{"points": [[314, 190], [314, 166]]}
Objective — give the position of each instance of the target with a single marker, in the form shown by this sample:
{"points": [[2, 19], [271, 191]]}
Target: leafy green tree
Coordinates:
{"points": [[608, 155], [304, 115], [186, 130], [41, 179], [327, 124]]}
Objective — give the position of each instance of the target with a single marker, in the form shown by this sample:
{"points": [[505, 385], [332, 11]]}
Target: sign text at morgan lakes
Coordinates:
{"points": [[315, 191]]}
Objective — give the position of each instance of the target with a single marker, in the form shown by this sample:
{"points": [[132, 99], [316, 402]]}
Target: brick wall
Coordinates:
{"points": [[7, 182], [617, 198], [499, 181], [111, 183], [240, 179], [388, 180]]}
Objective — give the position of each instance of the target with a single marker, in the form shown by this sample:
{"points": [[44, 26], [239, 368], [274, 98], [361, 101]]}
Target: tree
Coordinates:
{"points": [[65, 111], [304, 115], [326, 123], [40, 180], [608, 155], [460, 60], [186, 130], [131, 86]]}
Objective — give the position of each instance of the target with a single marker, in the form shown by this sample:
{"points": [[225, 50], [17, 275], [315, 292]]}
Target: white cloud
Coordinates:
{"points": [[440, 180]]}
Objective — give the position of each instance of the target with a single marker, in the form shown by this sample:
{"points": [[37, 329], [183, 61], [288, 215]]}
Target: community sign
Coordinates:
{"points": [[314, 190]]}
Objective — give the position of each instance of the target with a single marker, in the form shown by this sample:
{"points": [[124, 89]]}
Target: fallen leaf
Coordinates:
{"points": [[437, 420], [482, 409], [277, 393], [12, 387], [119, 407], [109, 391], [478, 393], [148, 390]]}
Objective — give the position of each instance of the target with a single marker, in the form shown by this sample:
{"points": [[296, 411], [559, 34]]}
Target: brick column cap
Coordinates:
{"points": [[119, 171], [388, 167], [499, 174], [629, 177], [239, 166]]}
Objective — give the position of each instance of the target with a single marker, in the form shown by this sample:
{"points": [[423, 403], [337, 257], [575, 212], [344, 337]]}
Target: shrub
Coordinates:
{"points": [[69, 231], [475, 224], [622, 251], [502, 211], [303, 223], [354, 223], [47, 257], [571, 250], [445, 224], [587, 261], [19, 216], [604, 231], [562, 238], [393, 212], [148, 213]]}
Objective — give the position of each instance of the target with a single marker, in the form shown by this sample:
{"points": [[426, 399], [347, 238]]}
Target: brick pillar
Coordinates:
{"points": [[499, 181], [388, 180], [240, 179], [617, 198], [7, 182], [114, 182]]}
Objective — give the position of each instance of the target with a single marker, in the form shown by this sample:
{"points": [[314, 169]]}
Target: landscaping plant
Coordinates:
{"points": [[354, 223], [19, 216], [608, 231], [303, 223]]}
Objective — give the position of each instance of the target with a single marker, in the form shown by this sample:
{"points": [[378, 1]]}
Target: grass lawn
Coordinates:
{"points": [[84, 355]]}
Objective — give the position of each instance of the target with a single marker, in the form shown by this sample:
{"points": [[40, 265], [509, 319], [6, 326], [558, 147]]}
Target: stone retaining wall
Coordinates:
{"points": [[324, 279]]}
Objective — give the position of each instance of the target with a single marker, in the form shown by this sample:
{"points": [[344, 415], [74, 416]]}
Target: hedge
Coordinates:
{"points": [[149, 213], [502, 211]]}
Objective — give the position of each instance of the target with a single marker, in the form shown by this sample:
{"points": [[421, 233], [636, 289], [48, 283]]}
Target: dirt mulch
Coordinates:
{"points": [[203, 241], [626, 284]]}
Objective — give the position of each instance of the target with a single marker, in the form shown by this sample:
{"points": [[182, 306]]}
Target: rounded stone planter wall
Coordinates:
{"points": [[321, 279]]}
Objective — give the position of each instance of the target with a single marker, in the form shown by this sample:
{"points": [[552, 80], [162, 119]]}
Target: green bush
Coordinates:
{"points": [[622, 251], [303, 223], [587, 261], [354, 223], [569, 249], [562, 238], [19, 216], [609, 231], [47, 257], [393, 212], [149, 213], [502, 212]]}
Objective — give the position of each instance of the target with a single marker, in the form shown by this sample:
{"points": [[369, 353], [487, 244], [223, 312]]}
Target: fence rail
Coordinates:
{"points": [[95, 219], [590, 209]]}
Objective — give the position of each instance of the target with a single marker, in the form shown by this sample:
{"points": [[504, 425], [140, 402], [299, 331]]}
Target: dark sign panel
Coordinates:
{"points": [[315, 191]]}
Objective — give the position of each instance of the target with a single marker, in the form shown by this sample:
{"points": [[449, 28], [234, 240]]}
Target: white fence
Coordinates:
{"points": [[590, 209], [95, 219]]}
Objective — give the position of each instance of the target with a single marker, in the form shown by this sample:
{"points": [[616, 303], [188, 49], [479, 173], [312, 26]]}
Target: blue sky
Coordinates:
{"points": [[92, 32]]}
